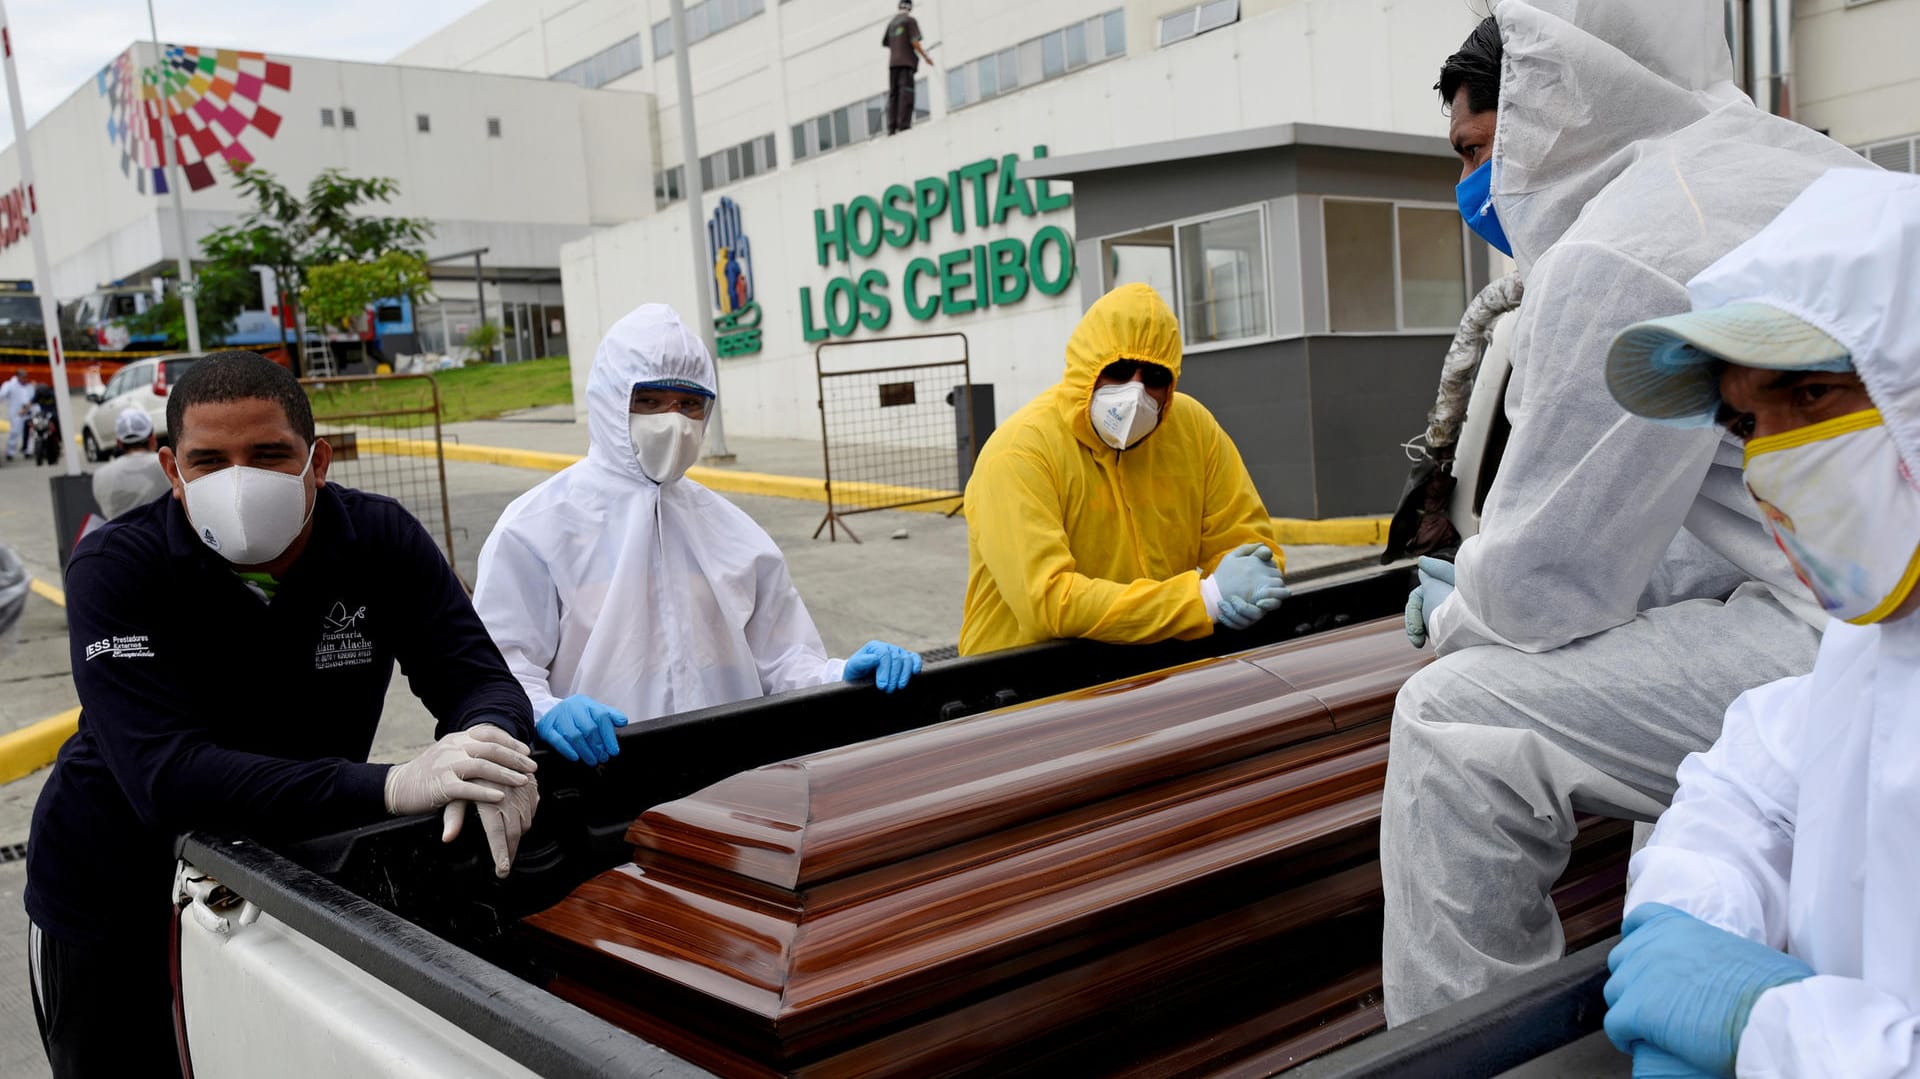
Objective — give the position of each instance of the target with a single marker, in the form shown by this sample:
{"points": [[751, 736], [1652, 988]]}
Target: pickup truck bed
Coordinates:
{"points": [[399, 955]]}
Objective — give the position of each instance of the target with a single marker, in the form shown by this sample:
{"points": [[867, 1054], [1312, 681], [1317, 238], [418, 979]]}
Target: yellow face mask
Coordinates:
{"points": [[1846, 510]]}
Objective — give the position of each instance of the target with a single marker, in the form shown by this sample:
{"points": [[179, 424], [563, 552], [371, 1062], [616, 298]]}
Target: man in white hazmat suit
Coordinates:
{"points": [[1771, 926], [1622, 590], [620, 589]]}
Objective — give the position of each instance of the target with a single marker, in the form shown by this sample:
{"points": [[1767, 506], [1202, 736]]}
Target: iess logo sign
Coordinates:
{"points": [[736, 323]]}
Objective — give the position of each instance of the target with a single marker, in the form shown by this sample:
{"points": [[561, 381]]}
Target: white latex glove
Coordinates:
{"points": [[504, 821], [453, 769]]}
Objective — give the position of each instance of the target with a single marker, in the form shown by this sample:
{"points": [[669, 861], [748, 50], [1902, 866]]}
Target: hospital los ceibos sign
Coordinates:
{"points": [[965, 278]]}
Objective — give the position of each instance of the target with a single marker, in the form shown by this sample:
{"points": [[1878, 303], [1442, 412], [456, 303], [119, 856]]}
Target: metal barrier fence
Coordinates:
{"points": [[376, 424], [890, 435]]}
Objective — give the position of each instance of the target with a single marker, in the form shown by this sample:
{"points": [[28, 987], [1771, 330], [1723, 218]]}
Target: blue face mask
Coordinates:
{"points": [[1475, 196]]}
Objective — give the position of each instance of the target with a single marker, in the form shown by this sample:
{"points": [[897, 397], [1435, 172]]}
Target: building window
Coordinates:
{"points": [[493, 127], [1896, 155], [346, 118], [1212, 271], [620, 58], [422, 124], [1036, 60], [1393, 267], [326, 117], [849, 124], [718, 169], [1197, 20], [705, 20]]}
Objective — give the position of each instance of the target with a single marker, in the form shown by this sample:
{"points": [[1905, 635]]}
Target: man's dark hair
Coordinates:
{"points": [[238, 376], [1477, 67]]}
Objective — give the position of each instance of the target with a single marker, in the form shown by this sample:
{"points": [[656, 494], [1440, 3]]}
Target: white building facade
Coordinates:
{"points": [[517, 166], [854, 235]]}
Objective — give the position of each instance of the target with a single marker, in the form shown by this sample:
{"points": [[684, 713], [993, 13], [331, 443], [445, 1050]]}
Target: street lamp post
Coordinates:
{"points": [[188, 307], [696, 232]]}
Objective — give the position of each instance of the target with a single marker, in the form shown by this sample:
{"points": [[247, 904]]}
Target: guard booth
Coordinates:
{"points": [[1318, 274]]}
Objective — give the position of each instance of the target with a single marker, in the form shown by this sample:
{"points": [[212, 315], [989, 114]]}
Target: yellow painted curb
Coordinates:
{"points": [[1333, 532], [33, 747], [47, 591]]}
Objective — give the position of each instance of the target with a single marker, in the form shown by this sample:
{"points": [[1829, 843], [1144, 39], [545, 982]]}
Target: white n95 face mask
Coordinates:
{"points": [[1123, 414], [666, 444], [249, 515], [1844, 507]]}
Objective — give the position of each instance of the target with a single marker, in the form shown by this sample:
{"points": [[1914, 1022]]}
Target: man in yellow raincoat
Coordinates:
{"points": [[1112, 507]]}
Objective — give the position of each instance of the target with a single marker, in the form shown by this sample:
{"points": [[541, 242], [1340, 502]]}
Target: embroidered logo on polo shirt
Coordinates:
{"points": [[341, 642], [134, 647]]}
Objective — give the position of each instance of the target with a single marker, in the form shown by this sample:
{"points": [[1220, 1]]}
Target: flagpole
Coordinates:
{"points": [[188, 305], [36, 231]]}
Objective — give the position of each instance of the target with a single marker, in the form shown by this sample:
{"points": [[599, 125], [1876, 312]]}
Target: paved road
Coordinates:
{"points": [[907, 590]]}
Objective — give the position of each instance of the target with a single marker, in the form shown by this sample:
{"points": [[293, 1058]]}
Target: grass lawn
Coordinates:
{"points": [[478, 392]]}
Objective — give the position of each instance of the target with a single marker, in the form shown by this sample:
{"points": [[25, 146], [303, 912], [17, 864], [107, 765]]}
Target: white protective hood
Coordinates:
{"points": [[1625, 162], [1845, 256], [652, 599]]}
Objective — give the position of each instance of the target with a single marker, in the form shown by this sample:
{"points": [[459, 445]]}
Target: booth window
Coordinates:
{"points": [[1393, 267], [1212, 272], [1223, 278]]}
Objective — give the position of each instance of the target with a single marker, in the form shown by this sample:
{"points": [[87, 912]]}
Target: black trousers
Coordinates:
{"points": [[103, 1011], [899, 99]]}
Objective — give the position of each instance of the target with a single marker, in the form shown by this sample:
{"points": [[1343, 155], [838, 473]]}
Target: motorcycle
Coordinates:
{"points": [[43, 428]]}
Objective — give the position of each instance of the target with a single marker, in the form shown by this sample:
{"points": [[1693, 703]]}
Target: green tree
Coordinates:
{"points": [[288, 233], [338, 293], [220, 291]]}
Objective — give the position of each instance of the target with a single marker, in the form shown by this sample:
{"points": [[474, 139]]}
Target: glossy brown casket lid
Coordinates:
{"points": [[988, 886]]}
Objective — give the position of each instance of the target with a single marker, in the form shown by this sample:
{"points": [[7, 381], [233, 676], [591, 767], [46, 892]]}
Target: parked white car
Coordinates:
{"points": [[141, 384]]}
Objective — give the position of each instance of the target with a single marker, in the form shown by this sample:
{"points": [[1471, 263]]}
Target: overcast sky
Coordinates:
{"points": [[60, 44]]}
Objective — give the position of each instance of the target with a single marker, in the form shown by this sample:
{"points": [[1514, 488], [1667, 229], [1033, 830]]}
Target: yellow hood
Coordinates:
{"points": [[1129, 323]]}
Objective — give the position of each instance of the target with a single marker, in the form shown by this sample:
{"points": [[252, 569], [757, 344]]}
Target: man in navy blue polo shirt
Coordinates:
{"points": [[232, 647]]}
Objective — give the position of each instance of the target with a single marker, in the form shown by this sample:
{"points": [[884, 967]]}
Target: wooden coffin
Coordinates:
{"points": [[1174, 874]]}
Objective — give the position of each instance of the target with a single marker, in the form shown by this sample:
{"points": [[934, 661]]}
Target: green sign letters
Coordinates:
{"points": [[991, 274]]}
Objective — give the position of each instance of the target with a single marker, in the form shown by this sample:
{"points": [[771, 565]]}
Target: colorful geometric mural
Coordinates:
{"points": [[211, 96]]}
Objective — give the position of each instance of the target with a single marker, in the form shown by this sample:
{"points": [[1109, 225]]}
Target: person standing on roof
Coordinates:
{"points": [[1770, 925], [904, 53], [1112, 507], [619, 589], [135, 477], [1622, 590]]}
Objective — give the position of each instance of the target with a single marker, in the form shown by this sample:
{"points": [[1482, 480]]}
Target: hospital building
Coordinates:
{"points": [[1277, 169]]}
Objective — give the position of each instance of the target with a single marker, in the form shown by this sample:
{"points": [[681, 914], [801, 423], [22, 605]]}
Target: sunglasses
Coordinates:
{"points": [[1154, 376]]}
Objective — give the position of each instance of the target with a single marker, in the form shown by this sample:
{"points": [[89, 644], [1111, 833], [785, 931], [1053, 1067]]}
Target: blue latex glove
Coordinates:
{"points": [[1687, 987], [1251, 586], [581, 729], [1236, 613], [1652, 1062], [1436, 584], [889, 665]]}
